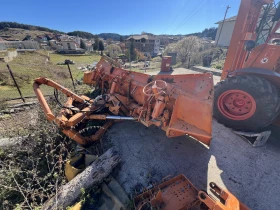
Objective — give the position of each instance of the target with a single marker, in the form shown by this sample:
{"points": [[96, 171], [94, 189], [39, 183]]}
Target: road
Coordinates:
{"points": [[251, 174]]}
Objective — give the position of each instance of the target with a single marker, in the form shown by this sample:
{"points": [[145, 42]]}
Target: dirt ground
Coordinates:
{"points": [[251, 174]]}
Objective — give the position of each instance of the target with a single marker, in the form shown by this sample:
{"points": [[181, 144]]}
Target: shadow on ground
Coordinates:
{"points": [[251, 174]]}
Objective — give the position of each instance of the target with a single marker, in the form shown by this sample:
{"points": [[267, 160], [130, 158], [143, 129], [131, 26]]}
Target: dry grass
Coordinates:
{"points": [[18, 33], [30, 65], [32, 171]]}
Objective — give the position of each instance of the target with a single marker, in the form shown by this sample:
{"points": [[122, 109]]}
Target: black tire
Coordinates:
{"points": [[265, 95]]}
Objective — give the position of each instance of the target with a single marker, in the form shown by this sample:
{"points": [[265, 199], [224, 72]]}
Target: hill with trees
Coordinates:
{"points": [[207, 32], [7, 25], [82, 34], [113, 36]]}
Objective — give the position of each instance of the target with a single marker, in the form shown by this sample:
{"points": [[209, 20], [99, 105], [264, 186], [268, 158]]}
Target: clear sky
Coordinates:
{"points": [[124, 16]]}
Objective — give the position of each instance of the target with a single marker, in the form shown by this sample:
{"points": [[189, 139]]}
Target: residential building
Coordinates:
{"points": [[157, 46], [69, 45], [224, 32], [41, 38], [19, 45], [143, 43]]}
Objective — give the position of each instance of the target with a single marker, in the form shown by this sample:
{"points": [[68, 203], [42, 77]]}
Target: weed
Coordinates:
{"points": [[31, 173]]}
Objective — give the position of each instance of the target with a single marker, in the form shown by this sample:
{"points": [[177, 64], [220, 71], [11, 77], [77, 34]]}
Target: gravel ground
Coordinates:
{"points": [[251, 174]]}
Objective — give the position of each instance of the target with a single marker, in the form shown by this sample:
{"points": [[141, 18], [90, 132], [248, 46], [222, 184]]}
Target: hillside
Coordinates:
{"points": [[5, 25], [113, 36], [19, 33], [82, 34], [30, 65]]}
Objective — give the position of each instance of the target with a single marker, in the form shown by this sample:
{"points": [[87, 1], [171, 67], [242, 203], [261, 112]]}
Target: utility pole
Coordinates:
{"points": [[131, 40], [222, 25], [15, 82]]}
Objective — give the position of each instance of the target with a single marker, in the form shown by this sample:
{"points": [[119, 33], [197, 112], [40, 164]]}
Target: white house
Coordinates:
{"points": [[157, 46], [69, 45], [225, 33]]}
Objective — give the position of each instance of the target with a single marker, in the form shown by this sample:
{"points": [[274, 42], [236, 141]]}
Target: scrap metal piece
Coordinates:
{"points": [[173, 194], [255, 139], [179, 193]]}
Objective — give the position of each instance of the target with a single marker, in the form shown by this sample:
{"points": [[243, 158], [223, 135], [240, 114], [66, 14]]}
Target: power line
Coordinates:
{"points": [[176, 16], [222, 25], [191, 14]]}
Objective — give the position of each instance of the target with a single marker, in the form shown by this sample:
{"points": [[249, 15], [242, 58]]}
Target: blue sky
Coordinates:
{"points": [[124, 16]]}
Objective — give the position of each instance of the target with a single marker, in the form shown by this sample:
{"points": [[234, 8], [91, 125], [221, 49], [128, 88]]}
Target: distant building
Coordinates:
{"points": [[41, 38], [19, 45], [226, 31], [69, 45], [143, 43], [157, 46]]}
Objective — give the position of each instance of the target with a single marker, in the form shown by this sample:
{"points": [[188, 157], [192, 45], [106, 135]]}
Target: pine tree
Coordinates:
{"points": [[101, 46], [121, 39], [132, 51], [96, 44], [83, 44]]}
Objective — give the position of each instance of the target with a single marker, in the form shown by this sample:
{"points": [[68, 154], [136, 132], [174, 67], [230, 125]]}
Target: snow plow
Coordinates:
{"points": [[177, 104]]}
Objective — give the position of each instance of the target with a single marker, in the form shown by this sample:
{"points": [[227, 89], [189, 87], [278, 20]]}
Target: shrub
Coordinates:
{"points": [[31, 173]]}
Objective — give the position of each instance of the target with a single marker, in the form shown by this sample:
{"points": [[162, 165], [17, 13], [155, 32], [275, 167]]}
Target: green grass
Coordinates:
{"points": [[79, 59], [28, 66]]}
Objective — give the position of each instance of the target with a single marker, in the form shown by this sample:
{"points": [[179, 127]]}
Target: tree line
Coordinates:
{"points": [[5, 25], [207, 32], [82, 34]]}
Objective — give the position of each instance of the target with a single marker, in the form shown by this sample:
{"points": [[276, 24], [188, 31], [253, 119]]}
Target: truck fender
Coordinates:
{"points": [[271, 76]]}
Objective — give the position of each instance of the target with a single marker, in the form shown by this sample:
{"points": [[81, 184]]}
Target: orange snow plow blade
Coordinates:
{"points": [[184, 108], [178, 104]]}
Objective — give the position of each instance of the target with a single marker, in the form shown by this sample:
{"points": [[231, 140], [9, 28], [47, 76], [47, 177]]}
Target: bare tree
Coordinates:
{"points": [[172, 47], [187, 47], [113, 50]]}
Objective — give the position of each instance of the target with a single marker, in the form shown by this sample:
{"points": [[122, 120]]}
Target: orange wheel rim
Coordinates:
{"points": [[236, 105]]}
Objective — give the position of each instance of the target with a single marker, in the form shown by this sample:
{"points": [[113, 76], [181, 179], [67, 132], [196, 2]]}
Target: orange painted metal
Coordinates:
{"points": [[226, 200], [245, 30], [179, 193], [237, 104], [67, 120], [264, 57], [166, 63], [178, 104]]}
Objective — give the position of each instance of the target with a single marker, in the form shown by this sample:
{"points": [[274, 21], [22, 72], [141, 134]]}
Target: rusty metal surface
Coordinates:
{"points": [[166, 63], [265, 56], [177, 104], [179, 193], [174, 194], [188, 99]]}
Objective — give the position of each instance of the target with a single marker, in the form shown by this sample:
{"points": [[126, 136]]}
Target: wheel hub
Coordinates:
{"points": [[236, 104]]}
